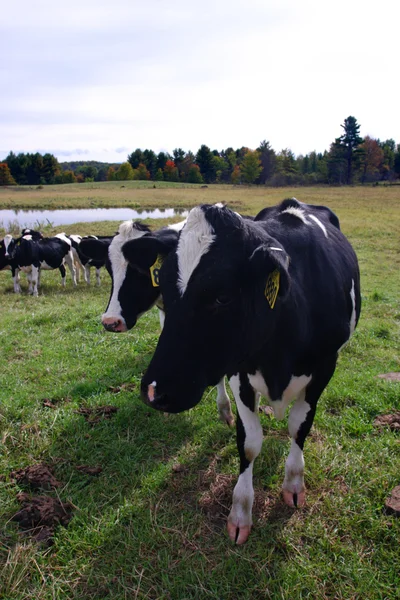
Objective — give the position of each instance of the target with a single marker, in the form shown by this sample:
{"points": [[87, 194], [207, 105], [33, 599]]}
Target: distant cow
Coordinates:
{"points": [[6, 262], [270, 302], [32, 255], [135, 289], [83, 262]]}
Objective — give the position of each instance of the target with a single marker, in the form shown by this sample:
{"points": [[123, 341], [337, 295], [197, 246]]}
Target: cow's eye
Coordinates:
{"points": [[222, 300]]}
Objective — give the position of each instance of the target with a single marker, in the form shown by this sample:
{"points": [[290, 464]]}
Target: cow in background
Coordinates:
{"points": [[6, 262], [83, 262], [268, 302], [31, 256]]}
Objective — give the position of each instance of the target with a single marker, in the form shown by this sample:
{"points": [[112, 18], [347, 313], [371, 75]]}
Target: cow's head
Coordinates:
{"points": [[222, 289], [6, 251], [128, 259]]}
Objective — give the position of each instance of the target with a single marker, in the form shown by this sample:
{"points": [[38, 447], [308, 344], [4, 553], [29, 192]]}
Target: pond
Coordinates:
{"points": [[37, 218]]}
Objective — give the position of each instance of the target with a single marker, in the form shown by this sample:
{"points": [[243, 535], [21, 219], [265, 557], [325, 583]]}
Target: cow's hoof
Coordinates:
{"points": [[293, 499], [227, 417], [237, 533]]}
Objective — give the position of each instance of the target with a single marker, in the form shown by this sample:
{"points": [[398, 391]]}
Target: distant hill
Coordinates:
{"points": [[73, 165]]}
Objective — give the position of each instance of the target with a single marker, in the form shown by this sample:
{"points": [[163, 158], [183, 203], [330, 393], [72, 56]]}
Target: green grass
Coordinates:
{"points": [[143, 529]]}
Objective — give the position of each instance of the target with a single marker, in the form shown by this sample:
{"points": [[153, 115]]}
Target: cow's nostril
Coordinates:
{"points": [[112, 324]]}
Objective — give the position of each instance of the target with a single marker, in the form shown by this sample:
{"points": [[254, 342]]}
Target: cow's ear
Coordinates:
{"points": [[270, 263], [142, 253], [95, 249]]}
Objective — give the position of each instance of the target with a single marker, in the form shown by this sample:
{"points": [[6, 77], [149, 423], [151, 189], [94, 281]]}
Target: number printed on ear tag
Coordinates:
{"points": [[155, 271], [272, 287]]}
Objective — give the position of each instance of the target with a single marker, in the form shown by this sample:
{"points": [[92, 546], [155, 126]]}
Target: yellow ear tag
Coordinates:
{"points": [[155, 271], [272, 287]]}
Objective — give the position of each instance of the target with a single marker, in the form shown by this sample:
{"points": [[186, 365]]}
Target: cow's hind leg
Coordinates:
{"points": [[301, 418], [16, 281], [63, 272], [69, 260], [249, 442], [97, 276], [33, 277], [224, 404]]}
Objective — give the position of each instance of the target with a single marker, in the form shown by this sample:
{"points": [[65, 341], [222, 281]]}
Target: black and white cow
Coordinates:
{"points": [[135, 289], [32, 255], [83, 262], [6, 262], [269, 302]]}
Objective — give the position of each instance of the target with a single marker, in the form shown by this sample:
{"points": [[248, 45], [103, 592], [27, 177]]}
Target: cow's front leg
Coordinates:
{"points": [[249, 442], [87, 274], [224, 404], [33, 277], [301, 418], [69, 260], [97, 276], [62, 270], [16, 281]]}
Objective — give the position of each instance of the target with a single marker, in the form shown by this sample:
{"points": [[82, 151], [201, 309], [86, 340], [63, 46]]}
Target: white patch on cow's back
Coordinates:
{"points": [[296, 212], [194, 242], [76, 238], [295, 386], [64, 238], [126, 232], [320, 224]]}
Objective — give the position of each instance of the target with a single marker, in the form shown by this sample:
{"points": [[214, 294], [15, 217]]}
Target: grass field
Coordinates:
{"points": [[151, 524]]}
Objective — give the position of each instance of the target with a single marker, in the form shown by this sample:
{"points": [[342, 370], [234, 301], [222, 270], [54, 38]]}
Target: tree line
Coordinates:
{"points": [[350, 159]]}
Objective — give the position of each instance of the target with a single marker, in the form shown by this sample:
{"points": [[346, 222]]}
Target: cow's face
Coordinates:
{"points": [[6, 250], [221, 289]]}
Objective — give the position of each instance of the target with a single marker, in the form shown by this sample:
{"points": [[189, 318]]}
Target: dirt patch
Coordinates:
{"points": [[96, 414], [392, 504], [89, 470], [266, 410], [36, 476], [390, 376], [40, 515], [54, 402], [392, 421], [125, 387]]}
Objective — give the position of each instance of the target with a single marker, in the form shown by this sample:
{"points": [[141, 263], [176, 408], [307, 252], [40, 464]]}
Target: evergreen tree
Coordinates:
{"points": [[268, 161], [350, 142], [204, 158], [135, 158]]}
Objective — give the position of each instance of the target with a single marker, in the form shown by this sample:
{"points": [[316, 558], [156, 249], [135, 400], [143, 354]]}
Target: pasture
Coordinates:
{"points": [[151, 523]]}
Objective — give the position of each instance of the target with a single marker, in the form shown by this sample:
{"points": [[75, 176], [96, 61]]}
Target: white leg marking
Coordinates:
{"points": [[224, 404], [296, 384], [87, 274], [16, 280], [243, 494], [69, 260], [97, 276], [161, 315], [294, 467], [33, 284]]}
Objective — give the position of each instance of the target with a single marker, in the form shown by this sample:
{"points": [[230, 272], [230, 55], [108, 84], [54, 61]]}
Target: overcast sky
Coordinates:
{"points": [[94, 80]]}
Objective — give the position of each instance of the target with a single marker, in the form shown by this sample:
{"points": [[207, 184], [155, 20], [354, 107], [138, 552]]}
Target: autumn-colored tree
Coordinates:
{"points": [[251, 166], [124, 172], [159, 175], [194, 175], [143, 172], [371, 158], [5, 175], [236, 175], [171, 171], [111, 174], [80, 178], [68, 177]]}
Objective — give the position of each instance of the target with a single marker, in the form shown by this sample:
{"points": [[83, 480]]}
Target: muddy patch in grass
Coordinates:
{"points": [[391, 420], [88, 470], [40, 515], [392, 504], [124, 387], [36, 477], [54, 402], [98, 413], [390, 376]]}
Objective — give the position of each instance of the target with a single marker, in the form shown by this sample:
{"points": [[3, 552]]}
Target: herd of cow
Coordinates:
{"points": [[267, 301]]}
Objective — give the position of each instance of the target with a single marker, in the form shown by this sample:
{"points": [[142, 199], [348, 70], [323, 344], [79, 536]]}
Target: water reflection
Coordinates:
{"points": [[33, 218]]}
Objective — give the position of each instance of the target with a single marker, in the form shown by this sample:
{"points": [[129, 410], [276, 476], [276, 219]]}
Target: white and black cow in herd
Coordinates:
{"points": [[268, 302], [31, 254], [83, 262], [135, 289]]}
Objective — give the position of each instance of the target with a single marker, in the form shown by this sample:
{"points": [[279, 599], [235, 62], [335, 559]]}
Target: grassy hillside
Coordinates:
{"points": [[151, 524]]}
